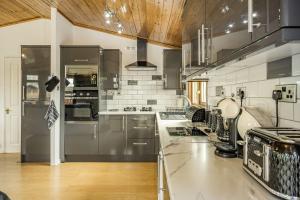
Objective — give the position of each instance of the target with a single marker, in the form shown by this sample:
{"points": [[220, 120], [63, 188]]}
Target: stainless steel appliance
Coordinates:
{"points": [[195, 114], [82, 75], [35, 135], [272, 157]]}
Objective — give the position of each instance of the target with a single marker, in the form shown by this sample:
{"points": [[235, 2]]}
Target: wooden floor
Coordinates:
{"points": [[77, 181]]}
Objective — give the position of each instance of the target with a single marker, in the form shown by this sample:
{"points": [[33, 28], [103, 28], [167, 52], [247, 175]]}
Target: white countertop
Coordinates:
{"points": [[121, 112], [194, 172]]}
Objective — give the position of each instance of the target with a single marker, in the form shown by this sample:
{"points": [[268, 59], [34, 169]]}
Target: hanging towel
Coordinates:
{"points": [[51, 115]]}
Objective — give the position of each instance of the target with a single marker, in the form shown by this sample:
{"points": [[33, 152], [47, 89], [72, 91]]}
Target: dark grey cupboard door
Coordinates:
{"points": [[35, 135], [81, 138], [112, 139], [80, 55], [112, 63], [140, 147], [172, 61], [227, 21]]}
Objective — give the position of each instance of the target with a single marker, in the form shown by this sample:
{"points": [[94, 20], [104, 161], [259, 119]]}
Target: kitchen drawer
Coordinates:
{"points": [[140, 147], [140, 131], [141, 119]]}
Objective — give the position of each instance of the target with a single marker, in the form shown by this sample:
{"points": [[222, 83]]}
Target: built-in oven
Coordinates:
{"points": [[81, 105], [82, 76]]}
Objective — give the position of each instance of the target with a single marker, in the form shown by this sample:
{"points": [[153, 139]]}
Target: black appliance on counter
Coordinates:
{"points": [[272, 157], [195, 114]]}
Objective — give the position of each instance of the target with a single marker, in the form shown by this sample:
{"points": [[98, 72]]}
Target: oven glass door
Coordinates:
{"points": [[81, 111]]}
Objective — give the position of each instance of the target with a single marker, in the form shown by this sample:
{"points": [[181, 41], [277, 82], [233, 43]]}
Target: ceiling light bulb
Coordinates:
{"points": [[231, 25], [227, 31], [254, 14], [107, 21], [119, 31], [245, 21], [124, 9], [119, 25]]}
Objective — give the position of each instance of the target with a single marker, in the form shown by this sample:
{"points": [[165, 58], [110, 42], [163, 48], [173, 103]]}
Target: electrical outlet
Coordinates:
{"points": [[239, 90], [289, 92]]}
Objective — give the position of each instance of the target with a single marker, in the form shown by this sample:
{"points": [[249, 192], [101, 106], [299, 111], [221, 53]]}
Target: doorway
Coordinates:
{"points": [[12, 105]]}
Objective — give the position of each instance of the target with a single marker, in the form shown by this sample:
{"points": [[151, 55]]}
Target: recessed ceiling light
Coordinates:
{"points": [[254, 14], [245, 21], [225, 9], [231, 25], [107, 14], [123, 9], [227, 31], [107, 21]]}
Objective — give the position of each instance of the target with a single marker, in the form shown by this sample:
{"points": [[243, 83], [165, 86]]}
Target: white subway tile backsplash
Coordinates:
{"points": [[297, 111], [258, 89], [242, 76], [258, 73], [251, 89], [296, 65], [265, 88]]}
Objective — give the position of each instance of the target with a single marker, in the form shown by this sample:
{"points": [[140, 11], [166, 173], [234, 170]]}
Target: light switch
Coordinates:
{"points": [[289, 92]]}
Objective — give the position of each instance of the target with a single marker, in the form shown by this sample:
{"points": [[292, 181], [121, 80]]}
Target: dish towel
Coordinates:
{"points": [[51, 115]]}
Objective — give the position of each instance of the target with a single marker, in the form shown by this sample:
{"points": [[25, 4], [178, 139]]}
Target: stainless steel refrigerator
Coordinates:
{"points": [[35, 135]]}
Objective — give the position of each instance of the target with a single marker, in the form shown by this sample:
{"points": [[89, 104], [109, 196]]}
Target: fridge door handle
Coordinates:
{"points": [[199, 47], [23, 92], [23, 108], [202, 43]]}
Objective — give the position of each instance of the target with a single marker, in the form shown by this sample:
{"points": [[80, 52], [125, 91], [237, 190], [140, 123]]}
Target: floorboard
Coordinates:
{"points": [[77, 181]]}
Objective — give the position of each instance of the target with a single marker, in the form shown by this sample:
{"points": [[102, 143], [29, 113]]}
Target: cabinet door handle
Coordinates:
{"points": [[23, 92], [140, 143], [199, 47], [202, 43], [140, 127], [123, 124], [23, 108], [139, 119], [250, 16], [166, 80], [258, 153], [81, 60], [95, 131]]}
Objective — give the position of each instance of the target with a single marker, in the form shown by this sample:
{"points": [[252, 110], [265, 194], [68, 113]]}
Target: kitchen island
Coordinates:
{"points": [[194, 172]]}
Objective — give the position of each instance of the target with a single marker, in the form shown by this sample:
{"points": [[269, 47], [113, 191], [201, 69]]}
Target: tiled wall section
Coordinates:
{"points": [[258, 89], [146, 89]]}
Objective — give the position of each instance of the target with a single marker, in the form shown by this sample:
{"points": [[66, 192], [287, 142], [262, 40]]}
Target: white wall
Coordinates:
{"points": [[35, 32], [258, 89], [147, 88]]}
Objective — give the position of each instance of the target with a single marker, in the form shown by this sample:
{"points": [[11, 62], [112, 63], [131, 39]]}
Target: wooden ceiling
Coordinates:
{"points": [[159, 21]]}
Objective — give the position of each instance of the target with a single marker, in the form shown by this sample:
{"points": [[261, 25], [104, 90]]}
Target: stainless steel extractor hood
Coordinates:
{"points": [[141, 64]]}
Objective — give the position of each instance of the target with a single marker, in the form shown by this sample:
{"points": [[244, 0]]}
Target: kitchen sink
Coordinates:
{"points": [[172, 116], [183, 131]]}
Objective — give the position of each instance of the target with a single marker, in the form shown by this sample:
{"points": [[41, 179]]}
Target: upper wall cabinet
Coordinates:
{"points": [[232, 29], [112, 68], [172, 68]]}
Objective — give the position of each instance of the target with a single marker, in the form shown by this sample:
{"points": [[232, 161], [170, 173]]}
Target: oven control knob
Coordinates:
{"points": [[88, 94], [80, 93]]}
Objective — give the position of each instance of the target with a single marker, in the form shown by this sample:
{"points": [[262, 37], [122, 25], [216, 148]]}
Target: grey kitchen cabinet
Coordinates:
{"points": [[80, 55], [112, 68], [172, 65], [140, 126], [233, 29], [112, 139], [81, 138]]}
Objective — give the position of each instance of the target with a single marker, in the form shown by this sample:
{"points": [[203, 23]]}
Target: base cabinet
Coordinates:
{"points": [[81, 138]]}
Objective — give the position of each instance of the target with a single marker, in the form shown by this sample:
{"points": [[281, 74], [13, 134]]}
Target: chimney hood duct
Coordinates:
{"points": [[141, 64]]}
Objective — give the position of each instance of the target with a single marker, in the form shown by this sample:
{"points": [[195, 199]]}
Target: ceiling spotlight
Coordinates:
{"points": [[119, 31], [107, 13], [119, 25], [227, 31], [107, 21], [225, 9], [245, 21], [254, 14], [123, 9], [231, 25]]}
